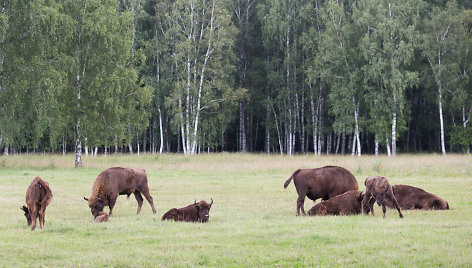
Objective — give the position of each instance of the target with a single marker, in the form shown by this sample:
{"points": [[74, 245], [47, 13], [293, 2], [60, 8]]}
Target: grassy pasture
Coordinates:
{"points": [[252, 221]]}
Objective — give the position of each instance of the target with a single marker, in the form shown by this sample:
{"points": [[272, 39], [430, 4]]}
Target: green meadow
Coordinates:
{"points": [[252, 221]]}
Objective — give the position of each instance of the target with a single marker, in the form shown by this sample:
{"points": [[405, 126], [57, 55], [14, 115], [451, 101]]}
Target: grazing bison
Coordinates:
{"points": [[324, 183], [194, 212], [101, 217], [410, 197], [348, 203], [38, 197], [118, 181], [379, 189]]}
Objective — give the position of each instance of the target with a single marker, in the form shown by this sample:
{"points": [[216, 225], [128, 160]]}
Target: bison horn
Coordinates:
{"points": [[86, 199], [195, 202], [211, 202]]}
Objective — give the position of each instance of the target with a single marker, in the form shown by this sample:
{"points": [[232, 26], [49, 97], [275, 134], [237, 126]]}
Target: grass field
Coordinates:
{"points": [[252, 221]]}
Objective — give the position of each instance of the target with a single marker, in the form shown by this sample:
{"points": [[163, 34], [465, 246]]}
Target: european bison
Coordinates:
{"points": [[38, 197], [379, 188], [324, 183], [101, 217], [348, 203], [118, 181], [192, 213], [410, 197]]}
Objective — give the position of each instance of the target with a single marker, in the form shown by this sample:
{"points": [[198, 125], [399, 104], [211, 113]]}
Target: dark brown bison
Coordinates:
{"points": [[192, 213], [38, 197], [348, 203], [379, 189], [410, 197], [118, 181], [324, 183]]}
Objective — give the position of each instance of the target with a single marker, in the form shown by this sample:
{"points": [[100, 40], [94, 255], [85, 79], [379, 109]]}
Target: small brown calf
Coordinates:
{"points": [[38, 197], [379, 188]]}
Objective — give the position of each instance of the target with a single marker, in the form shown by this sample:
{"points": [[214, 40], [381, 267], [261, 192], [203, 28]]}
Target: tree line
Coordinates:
{"points": [[272, 76]]}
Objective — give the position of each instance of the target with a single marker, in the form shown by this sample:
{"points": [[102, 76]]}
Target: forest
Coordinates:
{"points": [[268, 76]]}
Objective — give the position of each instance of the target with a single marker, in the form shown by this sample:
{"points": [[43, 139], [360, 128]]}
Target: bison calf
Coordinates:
{"points": [[192, 213], [379, 189], [348, 203], [324, 183], [102, 217], [410, 197], [38, 197]]}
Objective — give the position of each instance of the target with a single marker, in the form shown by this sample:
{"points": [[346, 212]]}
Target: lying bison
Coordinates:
{"points": [[118, 181], [38, 197], [196, 212], [101, 217], [348, 203], [410, 197], [324, 183], [379, 189]]}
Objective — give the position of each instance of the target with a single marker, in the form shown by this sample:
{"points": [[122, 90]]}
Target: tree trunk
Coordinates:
{"points": [[376, 145], [267, 143], [394, 126], [78, 146]]}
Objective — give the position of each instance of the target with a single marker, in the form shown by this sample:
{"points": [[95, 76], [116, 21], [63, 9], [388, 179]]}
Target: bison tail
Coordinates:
{"points": [[291, 177]]}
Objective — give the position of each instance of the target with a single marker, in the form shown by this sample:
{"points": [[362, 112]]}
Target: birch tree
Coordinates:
{"points": [[440, 42], [388, 45], [100, 91], [202, 55]]}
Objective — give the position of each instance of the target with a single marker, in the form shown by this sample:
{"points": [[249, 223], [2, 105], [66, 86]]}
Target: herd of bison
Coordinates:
{"points": [[336, 187]]}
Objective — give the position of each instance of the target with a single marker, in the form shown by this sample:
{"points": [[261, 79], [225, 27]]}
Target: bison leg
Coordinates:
{"points": [[149, 199], [112, 204], [300, 204], [383, 210], [397, 207], [140, 199], [34, 215]]}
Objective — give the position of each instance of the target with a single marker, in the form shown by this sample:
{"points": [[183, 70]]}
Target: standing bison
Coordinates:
{"points": [[196, 212], [379, 189], [38, 197], [118, 181], [324, 183], [348, 203], [410, 197]]}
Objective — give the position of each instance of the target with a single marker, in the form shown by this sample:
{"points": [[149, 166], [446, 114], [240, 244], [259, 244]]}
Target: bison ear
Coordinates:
{"points": [[86, 199]]}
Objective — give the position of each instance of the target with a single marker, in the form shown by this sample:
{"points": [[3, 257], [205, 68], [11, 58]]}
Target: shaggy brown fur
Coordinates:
{"points": [[116, 181], [102, 217], [410, 197], [379, 189], [324, 183], [348, 203], [38, 197], [192, 213]]}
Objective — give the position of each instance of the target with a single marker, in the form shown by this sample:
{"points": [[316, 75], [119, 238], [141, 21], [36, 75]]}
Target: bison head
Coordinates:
{"points": [[203, 209], [27, 214], [96, 205]]}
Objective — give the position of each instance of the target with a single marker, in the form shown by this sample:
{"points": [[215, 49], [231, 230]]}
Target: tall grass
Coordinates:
{"points": [[252, 221]]}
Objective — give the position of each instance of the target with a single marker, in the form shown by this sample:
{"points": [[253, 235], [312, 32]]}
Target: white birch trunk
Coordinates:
{"points": [[394, 126], [267, 126], [388, 148], [376, 146]]}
